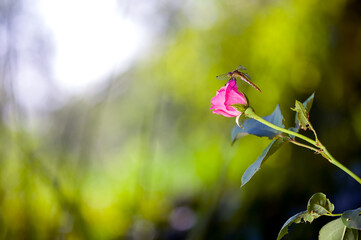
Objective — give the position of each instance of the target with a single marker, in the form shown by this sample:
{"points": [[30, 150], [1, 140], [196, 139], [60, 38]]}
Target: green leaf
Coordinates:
{"points": [[319, 205], [352, 218], [253, 127], [299, 217], [305, 109], [302, 115], [351, 234], [267, 152], [308, 102], [336, 230]]}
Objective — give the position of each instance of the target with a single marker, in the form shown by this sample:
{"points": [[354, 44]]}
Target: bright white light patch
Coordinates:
{"points": [[92, 40]]}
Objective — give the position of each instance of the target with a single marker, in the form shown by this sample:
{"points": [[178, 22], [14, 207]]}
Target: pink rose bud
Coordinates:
{"points": [[226, 97]]}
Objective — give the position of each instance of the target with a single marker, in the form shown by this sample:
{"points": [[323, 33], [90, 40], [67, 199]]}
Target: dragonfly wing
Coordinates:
{"points": [[240, 67], [247, 76], [250, 83], [223, 77]]}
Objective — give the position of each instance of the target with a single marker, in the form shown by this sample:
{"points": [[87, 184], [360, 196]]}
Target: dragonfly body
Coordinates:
{"points": [[244, 77], [237, 73]]}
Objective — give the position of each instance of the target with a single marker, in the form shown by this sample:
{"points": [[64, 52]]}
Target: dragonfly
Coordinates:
{"points": [[240, 74]]}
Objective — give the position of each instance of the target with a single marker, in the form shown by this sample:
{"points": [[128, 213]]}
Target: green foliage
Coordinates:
{"points": [[253, 127], [345, 227], [267, 152], [116, 164], [352, 218], [298, 218], [302, 114], [317, 206], [336, 230]]}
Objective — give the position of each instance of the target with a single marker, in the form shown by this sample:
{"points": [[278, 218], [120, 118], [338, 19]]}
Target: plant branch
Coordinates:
{"points": [[332, 160], [322, 149], [304, 145], [251, 114]]}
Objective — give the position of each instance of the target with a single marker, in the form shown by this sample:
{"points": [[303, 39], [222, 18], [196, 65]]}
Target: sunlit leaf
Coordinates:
{"points": [[267, 152], [306, 110], [302, 115], [253, 127], [352, 218], [336, 230], [319, 205]]}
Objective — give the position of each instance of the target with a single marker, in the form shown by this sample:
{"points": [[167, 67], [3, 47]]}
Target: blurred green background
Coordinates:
{"points": [[143, 157]]}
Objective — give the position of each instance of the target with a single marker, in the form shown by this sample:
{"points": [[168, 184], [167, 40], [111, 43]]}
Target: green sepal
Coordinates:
{"points": [[240, 120], [240, 107]]}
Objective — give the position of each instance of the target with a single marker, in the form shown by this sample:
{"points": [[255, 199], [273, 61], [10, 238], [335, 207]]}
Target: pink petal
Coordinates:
{"points": [[232, 95], [225, 97], [221, 112]]}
